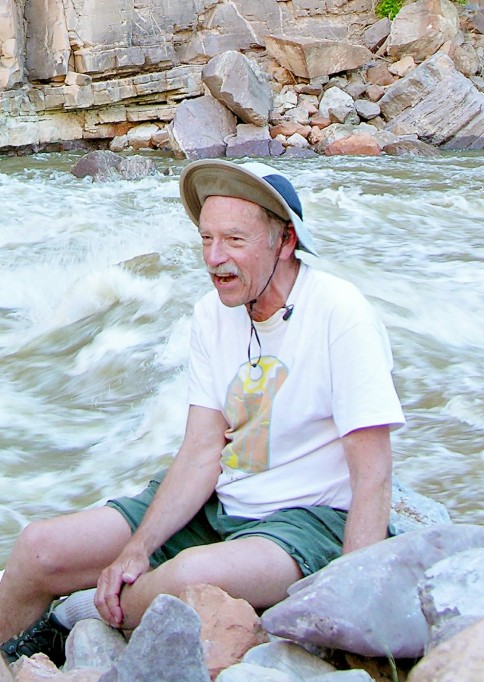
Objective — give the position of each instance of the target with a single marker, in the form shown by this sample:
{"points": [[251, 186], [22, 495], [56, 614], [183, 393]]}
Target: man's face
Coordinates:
{"points": [[236, 248]]}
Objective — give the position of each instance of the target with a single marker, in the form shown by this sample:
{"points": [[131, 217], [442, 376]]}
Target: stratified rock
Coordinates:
{"points": [[411, 519], [336, 105], [459, 659], [48, 48], [247, 672], [240, 85], [437, 103], [93, 644], [310, 58], [354, 145], [230, 627], [165, 646], [200, 127], [289, 658], [367, 601], [454, 587], [421, 28], [140, 136]]}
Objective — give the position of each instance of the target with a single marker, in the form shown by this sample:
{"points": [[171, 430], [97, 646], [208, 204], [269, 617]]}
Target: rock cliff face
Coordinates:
{"points": [[73, 70]]}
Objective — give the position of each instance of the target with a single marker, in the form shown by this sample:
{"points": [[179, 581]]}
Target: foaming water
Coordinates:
{"points": [[97, 283]]}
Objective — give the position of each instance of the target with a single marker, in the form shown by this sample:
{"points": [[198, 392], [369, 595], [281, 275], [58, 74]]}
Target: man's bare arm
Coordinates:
{"points": [[369, 456], [188, 484]]}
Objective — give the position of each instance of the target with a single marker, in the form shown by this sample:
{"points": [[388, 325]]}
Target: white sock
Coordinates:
{"points": [[78, 606]]}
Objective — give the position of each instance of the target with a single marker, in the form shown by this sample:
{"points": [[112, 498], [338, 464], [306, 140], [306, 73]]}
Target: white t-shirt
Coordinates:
{"points": [[324, 372]]}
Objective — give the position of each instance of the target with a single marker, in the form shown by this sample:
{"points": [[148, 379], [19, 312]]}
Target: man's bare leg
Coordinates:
{"points": [[56, 557], [255, 569]]}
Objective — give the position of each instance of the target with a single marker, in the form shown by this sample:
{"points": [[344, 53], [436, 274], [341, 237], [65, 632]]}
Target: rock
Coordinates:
{"points": [[289, 658], [410, 148], [336, 105], [411, 510], [297, 140], [240, 85], [447, 629], [356, 90], [118, 143], [200, 127], [459, 658], [356, 145], [346, 676], [416, 104], [379, 74], [140, 136], [420, 28], [230, 627], [48, 48], [166, 642], [376, 34], [298, 114], [309, 58], [454, 587], [374, 92], [39, 668], [99, 164], [367, 601], [403, 66], [93, 644], [466, 59], [366, 109], [247, 672], [287, 128]]}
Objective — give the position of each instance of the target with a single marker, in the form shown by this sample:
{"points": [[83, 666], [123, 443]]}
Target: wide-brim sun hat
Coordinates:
{"points": [[252, 181]]}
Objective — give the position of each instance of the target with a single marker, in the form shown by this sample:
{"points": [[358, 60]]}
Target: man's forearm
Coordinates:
{"points": [[368, 518]]}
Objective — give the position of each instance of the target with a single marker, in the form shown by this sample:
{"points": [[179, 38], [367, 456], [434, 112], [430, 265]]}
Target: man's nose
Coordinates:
{"points": [[215, 253]]}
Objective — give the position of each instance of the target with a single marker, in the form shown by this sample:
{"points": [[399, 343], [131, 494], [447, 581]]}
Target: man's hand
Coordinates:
{"points": [[125, 570]]}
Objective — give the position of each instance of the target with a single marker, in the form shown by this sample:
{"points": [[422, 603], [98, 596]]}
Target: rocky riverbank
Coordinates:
{"points": [[241, 79]]}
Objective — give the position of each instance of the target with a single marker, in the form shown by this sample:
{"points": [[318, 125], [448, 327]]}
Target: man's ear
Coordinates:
{"points": [[288, 241]]}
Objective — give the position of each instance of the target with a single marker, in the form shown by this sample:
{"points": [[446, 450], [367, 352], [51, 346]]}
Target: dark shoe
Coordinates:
{"points": [[46, 635]]}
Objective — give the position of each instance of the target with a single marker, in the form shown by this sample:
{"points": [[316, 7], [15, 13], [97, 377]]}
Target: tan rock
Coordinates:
{"points": [[285, 128], [354, 145], [297, 140], [319, 121], [460, 658], [140, 136], [309, 58], [374, 92], [40, 668], [420, 28], [403, 66], [230, 627], [5, 674], [48, 47], [316, 135]]}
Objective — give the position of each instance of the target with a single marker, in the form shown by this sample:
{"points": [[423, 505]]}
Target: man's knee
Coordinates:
{"points": [[189, 567], [37, 550]]}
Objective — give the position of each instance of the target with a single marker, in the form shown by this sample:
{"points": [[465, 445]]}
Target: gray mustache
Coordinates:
{"points": [[224, 269]]}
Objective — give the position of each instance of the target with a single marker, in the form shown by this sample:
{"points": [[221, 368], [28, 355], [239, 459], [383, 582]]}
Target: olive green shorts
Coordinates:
{"points": [[313, 536]]}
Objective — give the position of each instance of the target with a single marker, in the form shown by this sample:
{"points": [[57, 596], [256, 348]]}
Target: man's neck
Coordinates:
{"points": [[275, 297]]}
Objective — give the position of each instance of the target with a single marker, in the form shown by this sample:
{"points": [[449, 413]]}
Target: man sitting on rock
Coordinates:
{"points": [[286, 458]]}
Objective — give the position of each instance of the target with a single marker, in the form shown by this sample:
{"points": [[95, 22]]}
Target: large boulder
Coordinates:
{"points": [[200, 127], [367, 601], [309, 58], [240, 85], [421, 28], [437, 103]]}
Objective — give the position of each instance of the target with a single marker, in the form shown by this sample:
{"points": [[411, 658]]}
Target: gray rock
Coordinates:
{"points": [[437, 103], [165, 646], [247, 672], [411, 510], [240, 85], [367, 601], [448, 629], [200, 127], [356, 675], [336, 105], [135, 167], [288, 657], [454, 587], [250, 140], [93, 644], [366, 109]]}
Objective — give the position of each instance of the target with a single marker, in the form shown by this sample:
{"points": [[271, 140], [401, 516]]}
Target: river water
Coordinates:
{"points": [[97, 282]]}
